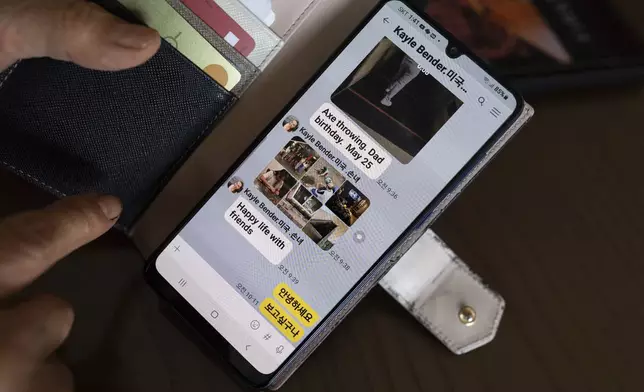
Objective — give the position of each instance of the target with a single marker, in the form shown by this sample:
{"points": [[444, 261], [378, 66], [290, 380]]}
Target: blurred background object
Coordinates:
{"points": [[546, 45]]}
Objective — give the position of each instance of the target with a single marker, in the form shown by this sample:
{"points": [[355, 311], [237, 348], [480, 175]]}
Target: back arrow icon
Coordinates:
{"points": [[248, 345], [386, 20]]}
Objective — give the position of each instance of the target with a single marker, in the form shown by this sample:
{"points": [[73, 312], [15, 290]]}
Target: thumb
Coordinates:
{"points": [[72, 30], [31, 332]]}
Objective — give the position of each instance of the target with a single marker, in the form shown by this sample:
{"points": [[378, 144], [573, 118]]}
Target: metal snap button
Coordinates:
{"points": [[467, 315]]}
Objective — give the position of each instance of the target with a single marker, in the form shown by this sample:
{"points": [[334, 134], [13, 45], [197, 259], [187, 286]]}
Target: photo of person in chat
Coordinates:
{"points": [[407, 72], [304, 164], [274, 182], [291, 124], [322, 180], [235, 185], [324, 191], [348, 204], [396, 100], [297, 157]]}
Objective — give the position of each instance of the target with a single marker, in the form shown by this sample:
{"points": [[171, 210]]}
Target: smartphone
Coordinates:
{"points": [[333, 192]]}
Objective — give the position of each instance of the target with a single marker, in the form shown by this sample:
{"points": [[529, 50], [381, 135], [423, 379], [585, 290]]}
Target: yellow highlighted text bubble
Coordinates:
{"points": [[295, 305], [281, 320]]}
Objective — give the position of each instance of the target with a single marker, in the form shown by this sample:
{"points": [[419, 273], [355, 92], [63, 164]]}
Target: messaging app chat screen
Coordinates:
{"points": [[337, 180]]}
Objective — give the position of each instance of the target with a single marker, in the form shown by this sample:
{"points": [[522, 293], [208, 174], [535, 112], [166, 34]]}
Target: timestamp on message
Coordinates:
{"points": [[286, 272], [246, 293], [385, 187], [341, 262]]}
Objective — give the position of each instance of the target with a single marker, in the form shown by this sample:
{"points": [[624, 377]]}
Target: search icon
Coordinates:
{"points": [[481, 100]]}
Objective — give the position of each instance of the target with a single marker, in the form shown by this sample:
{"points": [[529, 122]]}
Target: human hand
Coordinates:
{"points": [[30, 243], [72, 30]]}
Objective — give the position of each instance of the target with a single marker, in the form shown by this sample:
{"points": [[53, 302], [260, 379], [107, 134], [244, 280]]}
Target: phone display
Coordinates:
{"points": [[334, 184]]}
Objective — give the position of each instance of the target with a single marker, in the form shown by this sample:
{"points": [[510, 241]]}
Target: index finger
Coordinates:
{"points": [[31, 242]]}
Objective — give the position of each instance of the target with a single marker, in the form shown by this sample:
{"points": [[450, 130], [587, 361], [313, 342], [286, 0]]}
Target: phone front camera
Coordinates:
{"points": [[453, 52]]}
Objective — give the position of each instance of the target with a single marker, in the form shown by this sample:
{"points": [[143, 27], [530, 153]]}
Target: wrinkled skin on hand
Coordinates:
{"points": [[30, 243]]}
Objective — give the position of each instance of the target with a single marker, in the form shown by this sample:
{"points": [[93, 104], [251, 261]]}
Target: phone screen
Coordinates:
{"points": [[333, 185]]}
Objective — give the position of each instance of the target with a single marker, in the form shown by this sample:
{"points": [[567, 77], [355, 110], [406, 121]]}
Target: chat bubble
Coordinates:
{"points": [[289, 299], [265, 237], [281, 320], [352, 141]]}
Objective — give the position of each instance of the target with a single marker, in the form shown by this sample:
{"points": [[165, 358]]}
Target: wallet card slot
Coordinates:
{"points": [[245, 67], [288, 21], [267, 43]]}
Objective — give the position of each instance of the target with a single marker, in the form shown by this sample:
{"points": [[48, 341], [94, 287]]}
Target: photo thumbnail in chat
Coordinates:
{"points": [[395, 102], [297, 157], [325, 228], [274, 181], [299, 205], [235, 185], [291, 123], [312, 193], [348, 203], [323, 180]]}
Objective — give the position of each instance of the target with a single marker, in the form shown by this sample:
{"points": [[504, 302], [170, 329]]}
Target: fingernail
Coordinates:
{"points": [[132, 36], [111, 206]]}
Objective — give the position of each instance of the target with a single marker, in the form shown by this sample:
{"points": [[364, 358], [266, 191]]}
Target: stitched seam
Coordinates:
{"points": [[13, 68], [187, 151], [179, 161], [437, 331], [31, 178], [20, 172], [297, 21], [270, 55], [441, 334], [164, 181]]}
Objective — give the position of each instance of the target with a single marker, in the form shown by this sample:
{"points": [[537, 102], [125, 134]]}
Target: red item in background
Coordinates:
{"points": [[222, 24]]}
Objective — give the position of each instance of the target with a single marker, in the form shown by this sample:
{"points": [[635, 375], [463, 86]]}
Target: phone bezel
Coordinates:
{"points": [[243, 368]]}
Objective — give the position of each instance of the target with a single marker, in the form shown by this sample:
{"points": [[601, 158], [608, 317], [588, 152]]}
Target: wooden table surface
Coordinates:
{"points": [[555, 225]]}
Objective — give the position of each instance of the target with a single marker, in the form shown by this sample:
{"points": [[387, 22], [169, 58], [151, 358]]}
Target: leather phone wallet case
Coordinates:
{"points": [[72, 130]]}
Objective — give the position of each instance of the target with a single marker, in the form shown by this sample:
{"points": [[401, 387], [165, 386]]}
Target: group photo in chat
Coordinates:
{"points": [[392, 99], [312, 193]]}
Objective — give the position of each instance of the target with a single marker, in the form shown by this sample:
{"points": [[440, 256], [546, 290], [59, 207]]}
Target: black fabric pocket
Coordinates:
{"points": [[72, 130]]}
